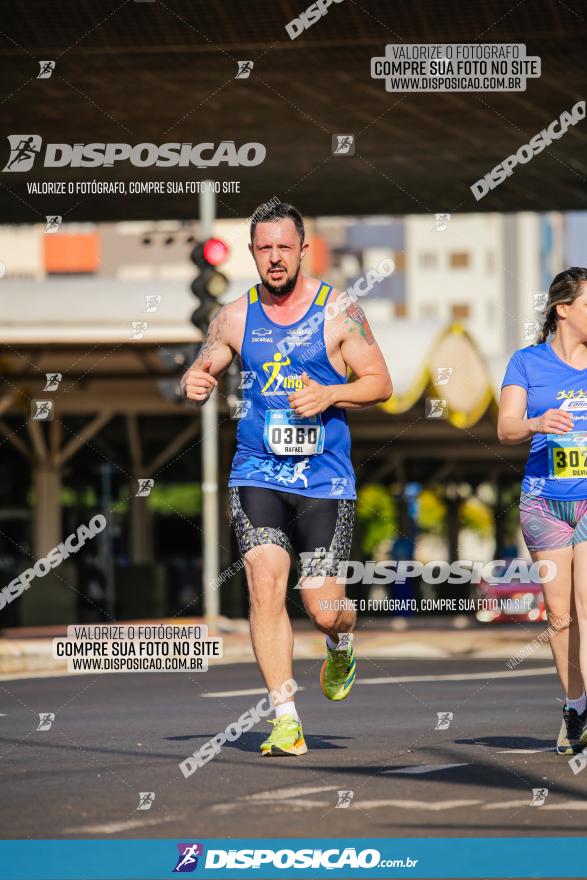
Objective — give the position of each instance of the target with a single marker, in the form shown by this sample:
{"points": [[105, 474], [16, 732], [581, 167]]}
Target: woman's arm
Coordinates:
{"points": [[513, 426]]}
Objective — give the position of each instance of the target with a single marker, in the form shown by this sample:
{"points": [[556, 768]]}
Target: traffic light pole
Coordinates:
{"points": [[209, 458]]}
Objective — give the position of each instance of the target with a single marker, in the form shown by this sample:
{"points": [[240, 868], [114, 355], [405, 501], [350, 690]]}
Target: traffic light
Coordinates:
{"points": [[210, 284], [176, 359]]}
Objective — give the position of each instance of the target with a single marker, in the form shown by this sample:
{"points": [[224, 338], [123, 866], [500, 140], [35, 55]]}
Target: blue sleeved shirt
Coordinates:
{"points": [[550, 383]]}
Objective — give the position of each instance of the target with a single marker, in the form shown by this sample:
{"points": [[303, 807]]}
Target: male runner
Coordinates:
{"points": [[292, 482]]}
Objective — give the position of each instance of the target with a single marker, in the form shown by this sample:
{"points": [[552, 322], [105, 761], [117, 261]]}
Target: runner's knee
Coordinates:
{"points": [[559, 619], [267, 592]]}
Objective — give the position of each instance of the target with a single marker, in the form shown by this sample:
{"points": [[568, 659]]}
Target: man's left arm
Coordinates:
{"points": [[363, 357]]}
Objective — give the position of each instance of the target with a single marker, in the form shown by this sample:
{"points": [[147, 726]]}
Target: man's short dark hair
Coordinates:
{"points": [[268, 211]]}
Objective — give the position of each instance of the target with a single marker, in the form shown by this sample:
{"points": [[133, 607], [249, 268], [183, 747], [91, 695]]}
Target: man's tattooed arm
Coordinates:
{"points": [[214, 344], [356, 319]]}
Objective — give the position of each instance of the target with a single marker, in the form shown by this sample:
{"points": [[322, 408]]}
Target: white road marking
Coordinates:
{"points": [[507, 805], [465, 676], [115, 827], [294, 805], [425, 806], [436, 806], [567, 805], [250, 692], [425, 768], [525, 751], [406, 679], [278, 794]]}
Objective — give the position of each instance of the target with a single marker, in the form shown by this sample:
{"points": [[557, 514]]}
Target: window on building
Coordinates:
{"points": [[428, 310], [459, 260], [428, 260], [460, 311]]}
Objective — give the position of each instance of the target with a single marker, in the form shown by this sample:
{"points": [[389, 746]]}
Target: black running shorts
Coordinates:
{"points": [[318, 530]]}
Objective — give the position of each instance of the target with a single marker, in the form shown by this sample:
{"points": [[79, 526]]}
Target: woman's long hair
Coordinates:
{"points": [[564, 289]]}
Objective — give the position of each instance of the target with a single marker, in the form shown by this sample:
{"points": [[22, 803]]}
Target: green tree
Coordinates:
{"points": [[376, 515], [431, 516], [476, 516]]}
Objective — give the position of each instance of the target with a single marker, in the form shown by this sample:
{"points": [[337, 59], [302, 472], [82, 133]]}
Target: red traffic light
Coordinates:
{"points": [[215, 251]]}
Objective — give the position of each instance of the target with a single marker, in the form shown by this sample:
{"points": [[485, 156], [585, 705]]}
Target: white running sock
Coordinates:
{"points": [[288, 708], [344, 640], [578, 705]]}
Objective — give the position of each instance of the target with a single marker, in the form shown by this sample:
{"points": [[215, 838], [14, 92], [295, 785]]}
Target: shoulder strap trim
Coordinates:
{"points": [[322, 294], [253, 295]]}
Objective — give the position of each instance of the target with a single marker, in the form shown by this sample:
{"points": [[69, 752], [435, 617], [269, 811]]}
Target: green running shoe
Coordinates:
{"points": [[286, 738], [583, 736], [338, 672], [573, 731]]}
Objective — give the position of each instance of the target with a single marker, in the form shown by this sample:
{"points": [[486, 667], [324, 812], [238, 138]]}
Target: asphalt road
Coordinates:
{"points": [[116, 735]]}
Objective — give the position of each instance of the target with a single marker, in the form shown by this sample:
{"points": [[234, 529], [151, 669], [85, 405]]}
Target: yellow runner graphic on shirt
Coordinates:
{"points": [[280, 384]]}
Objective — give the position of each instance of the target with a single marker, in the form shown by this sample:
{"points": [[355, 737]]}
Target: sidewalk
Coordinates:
{"points": [[28, 651]]}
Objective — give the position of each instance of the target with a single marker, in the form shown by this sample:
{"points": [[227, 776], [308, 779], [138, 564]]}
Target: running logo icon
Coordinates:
{"points": [[146, 799], [338, 485], [187, 860], [435, 408], [52, 381], [23, 151], [46, 69], [42, 410], [241, 409], [244, 69], [152, 302], [343, 145], [443, 720], [539, 301], [443, 375], [344, 799], [247, 379], [441, 221], [46, 719], [531, 328], [139, 328], [535, 485], [53, 223]]}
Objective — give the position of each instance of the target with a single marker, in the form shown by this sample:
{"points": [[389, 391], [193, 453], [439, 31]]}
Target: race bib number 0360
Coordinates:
{"points": [[567, 455], [286, 433]]}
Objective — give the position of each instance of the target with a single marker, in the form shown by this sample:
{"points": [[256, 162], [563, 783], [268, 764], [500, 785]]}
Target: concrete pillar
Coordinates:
{"points": [[141, 527], [47, 509]]}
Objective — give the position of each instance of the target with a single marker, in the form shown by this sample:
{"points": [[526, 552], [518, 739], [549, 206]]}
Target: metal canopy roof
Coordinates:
{"points": [[164, 71]]}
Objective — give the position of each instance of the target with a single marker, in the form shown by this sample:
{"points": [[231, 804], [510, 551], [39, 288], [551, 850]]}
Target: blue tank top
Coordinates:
{"points": [[275, 448]]}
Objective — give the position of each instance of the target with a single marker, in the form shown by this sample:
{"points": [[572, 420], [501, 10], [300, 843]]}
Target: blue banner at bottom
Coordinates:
{"points": [[513, 857]]}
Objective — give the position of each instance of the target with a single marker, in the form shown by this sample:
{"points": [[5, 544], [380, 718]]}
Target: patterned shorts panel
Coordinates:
{"points": [[548, 524], [249, 536]]}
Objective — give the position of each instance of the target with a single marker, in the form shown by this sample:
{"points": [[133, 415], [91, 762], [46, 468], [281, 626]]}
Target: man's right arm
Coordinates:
{"points": [[213, 359]]}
